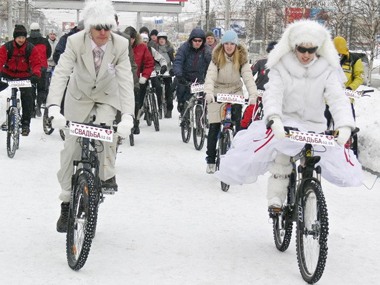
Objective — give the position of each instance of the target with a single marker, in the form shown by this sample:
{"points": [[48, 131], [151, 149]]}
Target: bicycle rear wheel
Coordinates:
{"points": [[46, 124], [13, 132], [225, 143], [312, 232], [199, 133], [82, 220], [186, 125], [155, 116]]}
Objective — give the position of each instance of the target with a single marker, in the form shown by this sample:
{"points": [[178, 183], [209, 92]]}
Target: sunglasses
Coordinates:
{"points": [[103, 27], [197, 41], [303, 49]]}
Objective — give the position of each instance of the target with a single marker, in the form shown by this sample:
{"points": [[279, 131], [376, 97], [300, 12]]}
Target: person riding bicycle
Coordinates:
{"points": [[43, 46], [96, 61], [190, 65], [145, 67], [305, 74], [160, 67], [260, 69], [20, 59], [353, 68], [165, 48], [228, 65]]}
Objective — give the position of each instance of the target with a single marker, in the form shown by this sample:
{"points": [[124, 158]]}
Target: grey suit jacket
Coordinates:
{"points": [[113, 85]]}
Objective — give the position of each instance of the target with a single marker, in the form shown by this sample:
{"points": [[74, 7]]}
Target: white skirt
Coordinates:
{"points": [[253, 151]]}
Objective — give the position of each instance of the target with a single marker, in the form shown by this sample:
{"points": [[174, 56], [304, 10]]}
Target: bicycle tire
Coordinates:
{"points": [[225, 143], [46, 124], [283, 222], [131, 140], [186, 125], [62, 134], [155, 116], [82, 220], [199, 133], [13, 132], [312, 232]]}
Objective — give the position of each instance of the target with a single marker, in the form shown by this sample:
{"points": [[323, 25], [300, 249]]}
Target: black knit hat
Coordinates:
{"points": [[19, 31], [154, 33], [131, 31], [271, 46], [144, 30]]}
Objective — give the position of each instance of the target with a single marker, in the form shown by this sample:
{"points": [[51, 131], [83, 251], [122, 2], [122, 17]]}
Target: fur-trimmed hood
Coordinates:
{"points": [[243, 53], [305, 32]]}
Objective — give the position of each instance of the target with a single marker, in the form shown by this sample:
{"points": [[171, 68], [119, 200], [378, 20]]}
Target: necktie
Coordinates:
{"points": [[98, 55]]}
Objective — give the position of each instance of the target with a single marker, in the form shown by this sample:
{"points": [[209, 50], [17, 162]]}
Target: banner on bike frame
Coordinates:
{"points": [[91, 132], [197, 88], [312, 138], [230, 98], [19, 84]]}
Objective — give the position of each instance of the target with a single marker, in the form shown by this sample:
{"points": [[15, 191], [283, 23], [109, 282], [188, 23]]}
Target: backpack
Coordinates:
{"points": [[10, 49]]}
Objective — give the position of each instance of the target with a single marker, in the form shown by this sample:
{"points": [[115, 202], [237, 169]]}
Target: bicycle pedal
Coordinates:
{"points": [[274, 211], [108, 191]]}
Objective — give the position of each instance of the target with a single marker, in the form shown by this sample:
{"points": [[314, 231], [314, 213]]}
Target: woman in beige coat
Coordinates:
{"points": [[228, 66]]}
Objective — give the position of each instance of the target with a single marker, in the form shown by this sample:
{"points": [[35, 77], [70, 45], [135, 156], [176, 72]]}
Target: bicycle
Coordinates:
{"points": [[306, 206], [163, 97], [150, 108], [87, 192], [227, 130], [194, 118], [12, 124]]}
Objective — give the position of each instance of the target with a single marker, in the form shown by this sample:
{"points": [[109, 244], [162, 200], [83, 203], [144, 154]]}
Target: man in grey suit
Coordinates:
{"points": [[97, 63]]}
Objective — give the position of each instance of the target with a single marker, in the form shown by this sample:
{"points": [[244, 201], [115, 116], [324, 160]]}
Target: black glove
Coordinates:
{"points": [[34, 79], [181, 80], [348, 88], [163, 69], [171, 72]]}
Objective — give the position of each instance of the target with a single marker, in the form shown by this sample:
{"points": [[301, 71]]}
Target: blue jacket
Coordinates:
{"points": [[191, 63]]}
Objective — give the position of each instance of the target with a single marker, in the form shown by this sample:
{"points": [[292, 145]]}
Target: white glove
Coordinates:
{"points": [[343, 136], [277, 127], [210, 98], [142, 80], [125, 126], [252, 101], [58, 120]]}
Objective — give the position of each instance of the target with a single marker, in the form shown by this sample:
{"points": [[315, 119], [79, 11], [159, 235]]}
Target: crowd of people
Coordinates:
{"points": [[100, 69]]}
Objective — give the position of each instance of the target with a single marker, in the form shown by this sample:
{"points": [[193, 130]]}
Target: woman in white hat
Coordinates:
{"points": [[305, 75]]}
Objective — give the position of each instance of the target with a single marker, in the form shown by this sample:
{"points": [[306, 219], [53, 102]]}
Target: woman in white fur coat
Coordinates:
{"points": [[229, 64], [305, 75]]}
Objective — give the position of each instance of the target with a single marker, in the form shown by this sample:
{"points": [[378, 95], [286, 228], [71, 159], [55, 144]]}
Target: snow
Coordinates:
{"points": [[171, 224]]}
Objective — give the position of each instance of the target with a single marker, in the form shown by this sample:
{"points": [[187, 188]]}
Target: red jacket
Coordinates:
{"points": [[17, 66], [144, 60]]}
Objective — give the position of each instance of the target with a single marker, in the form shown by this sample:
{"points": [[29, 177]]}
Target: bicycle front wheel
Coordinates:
{"points": [[224, 146], [199, 133], [312, 232], [82, 220], [13, 132]]}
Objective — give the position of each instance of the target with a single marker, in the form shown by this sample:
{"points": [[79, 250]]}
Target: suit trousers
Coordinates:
{"points": [[72, 151]]}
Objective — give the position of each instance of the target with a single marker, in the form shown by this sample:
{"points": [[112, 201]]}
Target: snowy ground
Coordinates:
{"points": [[170, 223]]}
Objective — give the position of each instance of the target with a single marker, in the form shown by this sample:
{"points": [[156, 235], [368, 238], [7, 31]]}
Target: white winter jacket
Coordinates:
{"points": [[299, 93]]}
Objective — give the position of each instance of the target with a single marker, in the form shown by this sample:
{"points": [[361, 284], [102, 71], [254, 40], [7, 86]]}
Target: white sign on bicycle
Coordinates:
{"points": [[91, 132], [19, 84], [230, 98], [196, 88], [312, 138]]}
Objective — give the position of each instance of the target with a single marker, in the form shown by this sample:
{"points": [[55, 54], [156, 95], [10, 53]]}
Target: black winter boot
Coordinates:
{"points": [[63, 218], [136, 129]]}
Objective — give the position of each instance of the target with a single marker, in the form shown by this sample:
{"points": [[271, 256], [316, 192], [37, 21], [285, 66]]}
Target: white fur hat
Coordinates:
{"points": [[305, 32], [98, 12]]}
